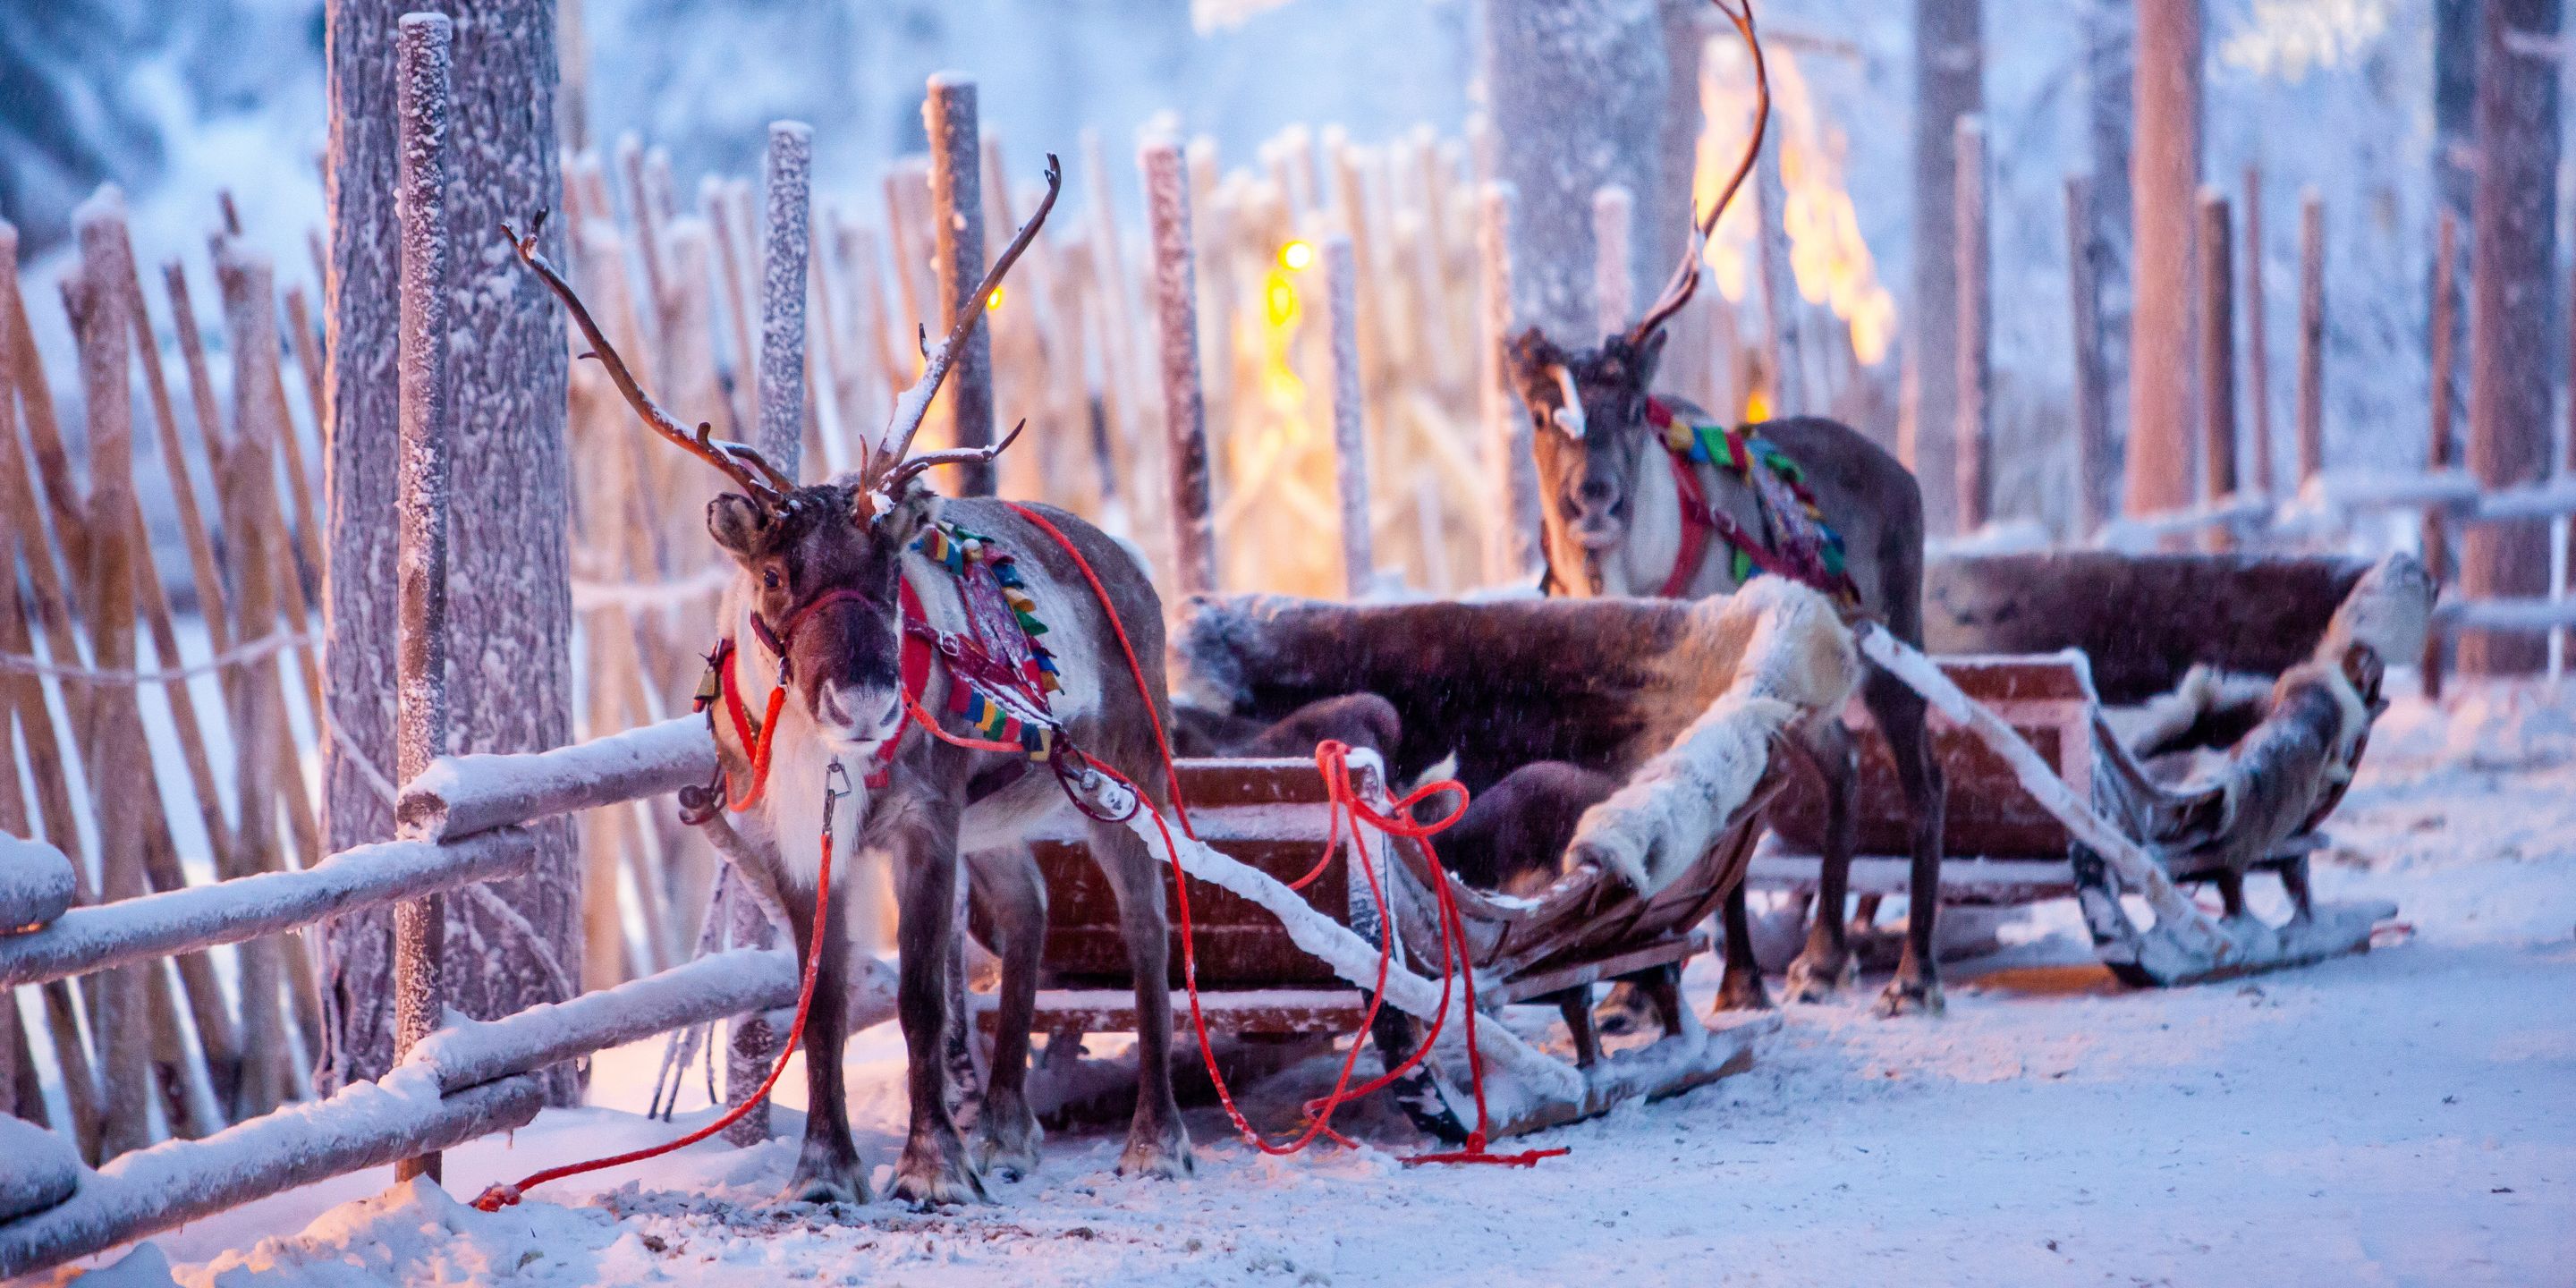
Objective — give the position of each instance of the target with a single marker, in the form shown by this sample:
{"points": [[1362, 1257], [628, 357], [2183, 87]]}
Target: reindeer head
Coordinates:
{"points": [[1587, 407], [1588, 410], [822, 562]]}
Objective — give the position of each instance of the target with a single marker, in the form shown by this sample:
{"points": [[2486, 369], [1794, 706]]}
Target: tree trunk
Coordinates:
{"points": [[2455, 143], [1576, 93], [1949, 83], [2512, 297], [2110, 93], [510, 604], [2164, 175]]}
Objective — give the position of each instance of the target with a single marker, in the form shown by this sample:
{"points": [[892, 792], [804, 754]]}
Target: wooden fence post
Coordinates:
{"points": [[786, 245], [116, 755], [957, 221], [2217, 362], [420, 645], [2437, 441], [1614, 278], [2312, 337], [1513, 525], [2258, 366], [2092, 386], [2164, 169], [1975, 444], [1350, 443], [1167, 205]]}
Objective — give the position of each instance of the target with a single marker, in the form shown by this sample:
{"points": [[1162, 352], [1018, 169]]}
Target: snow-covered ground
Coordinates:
{"points": [[2404, 1117]]}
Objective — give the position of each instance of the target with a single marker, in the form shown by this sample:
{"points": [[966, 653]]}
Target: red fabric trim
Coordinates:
{"points": [[917, 657]]}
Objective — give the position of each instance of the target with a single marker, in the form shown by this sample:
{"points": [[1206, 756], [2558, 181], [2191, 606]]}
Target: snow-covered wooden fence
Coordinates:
{"points": [[464, 822]]}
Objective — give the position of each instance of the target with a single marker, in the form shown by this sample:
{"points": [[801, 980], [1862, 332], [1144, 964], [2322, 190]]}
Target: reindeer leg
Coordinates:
{"points": [[1575, 1004], [1826, 964], [933, 1169], [2294, 883], [1901, 715], [1741, 989], [1157, 1143], [827, 1168], [1013, 895]]}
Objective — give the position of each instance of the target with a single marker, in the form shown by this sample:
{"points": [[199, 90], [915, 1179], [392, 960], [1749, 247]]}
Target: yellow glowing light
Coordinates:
{"points": [[1297, 256], [993, 302], [1757, 408], [1281, 297]]}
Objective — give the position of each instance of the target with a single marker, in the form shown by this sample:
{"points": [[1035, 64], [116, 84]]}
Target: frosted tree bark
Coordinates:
{"points": [[423, 114], [2512, 297], [2164, 173], [1575, 93], [1949, 84], [2443, 317], [2312, 338], [510, 600], [2456, 32], [787, 241], [1350, 441]]}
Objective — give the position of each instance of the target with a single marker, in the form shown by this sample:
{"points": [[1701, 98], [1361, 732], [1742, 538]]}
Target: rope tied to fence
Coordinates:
{"points": [[264, 647]]}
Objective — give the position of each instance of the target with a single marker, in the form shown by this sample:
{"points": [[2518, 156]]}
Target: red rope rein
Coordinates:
{"points": [[1332, 762], [505, 1195]]}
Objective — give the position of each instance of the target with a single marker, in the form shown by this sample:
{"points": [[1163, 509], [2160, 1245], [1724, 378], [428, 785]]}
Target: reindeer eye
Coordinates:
{"points": [[769, 579]]}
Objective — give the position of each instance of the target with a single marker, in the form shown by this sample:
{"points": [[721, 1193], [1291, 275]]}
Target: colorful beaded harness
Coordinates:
{"points": [[1796, 541]]}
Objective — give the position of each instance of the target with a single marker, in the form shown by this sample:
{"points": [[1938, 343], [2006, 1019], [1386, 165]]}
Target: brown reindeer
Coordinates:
{"points": [[1618, 521], [828, 572]]}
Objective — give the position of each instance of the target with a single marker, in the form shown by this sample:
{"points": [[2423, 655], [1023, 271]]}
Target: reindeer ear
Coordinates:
{"points": [[902, 520], [736, 524]]}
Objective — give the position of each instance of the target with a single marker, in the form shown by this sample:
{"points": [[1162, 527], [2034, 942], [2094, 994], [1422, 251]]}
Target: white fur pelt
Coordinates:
{"points": [[2390, 609], [1781, 654], [788, 819]]}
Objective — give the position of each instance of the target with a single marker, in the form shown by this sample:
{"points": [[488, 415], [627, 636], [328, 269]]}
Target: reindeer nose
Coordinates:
{"points": [[1593, 495]]}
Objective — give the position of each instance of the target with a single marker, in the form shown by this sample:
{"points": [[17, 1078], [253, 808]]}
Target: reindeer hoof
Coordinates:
{"points": [[820, 1179], [1006, 1140], [1904, 994], [1164, 1156], [1743, 991], [936, 1175], [1818, 976]]}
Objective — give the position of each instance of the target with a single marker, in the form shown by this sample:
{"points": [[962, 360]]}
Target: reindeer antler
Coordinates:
{"points": [[886, 464], [892, 484], [1686, 278], [736, 460]]}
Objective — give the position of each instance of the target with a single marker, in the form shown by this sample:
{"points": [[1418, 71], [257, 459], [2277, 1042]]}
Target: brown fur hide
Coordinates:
{"points": [[2143, 620]]}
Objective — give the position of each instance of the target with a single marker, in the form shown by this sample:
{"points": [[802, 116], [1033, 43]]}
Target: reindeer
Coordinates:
{"points": [[816, 624], [1617, 521]]}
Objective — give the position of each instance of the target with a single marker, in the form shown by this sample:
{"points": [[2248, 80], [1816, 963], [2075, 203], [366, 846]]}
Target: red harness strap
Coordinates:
{"points": [[1701, 519], [918, 654]]}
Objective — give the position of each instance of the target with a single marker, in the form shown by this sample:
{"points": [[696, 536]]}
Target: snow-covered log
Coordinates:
{"points": [[43, 1169], [459, 796], [741, 981], [367, 1124], [36, 883], [178, 921]]}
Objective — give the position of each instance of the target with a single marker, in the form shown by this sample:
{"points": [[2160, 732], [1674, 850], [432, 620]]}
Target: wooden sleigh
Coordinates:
{"points": [[2004, 846], [1273, 962]]}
